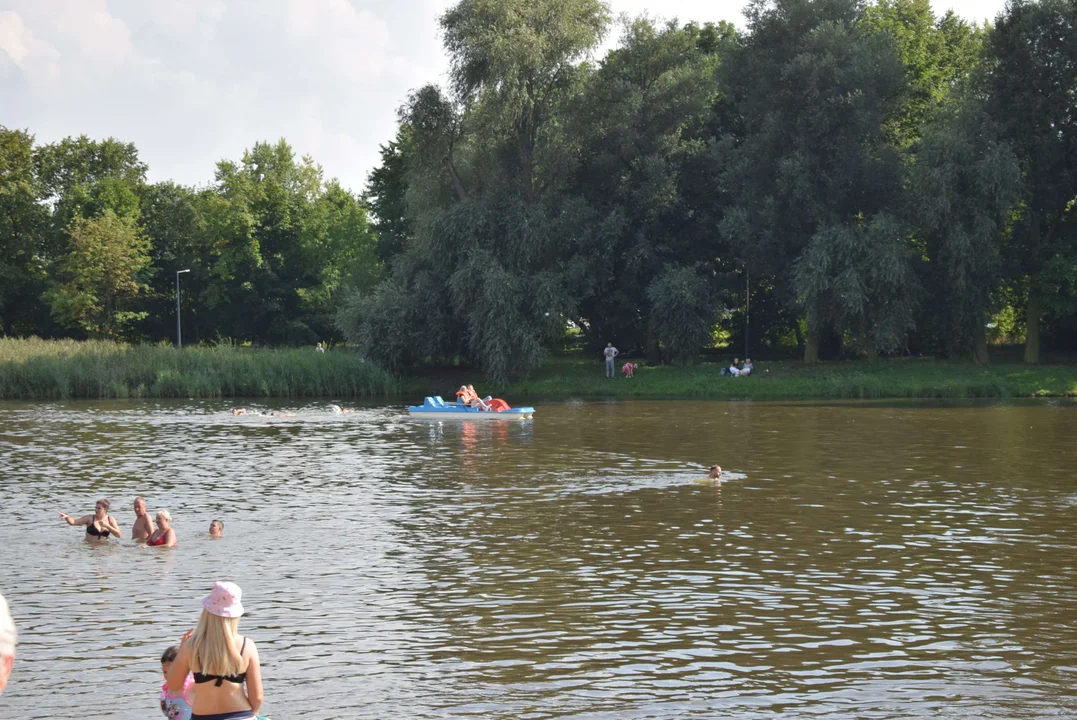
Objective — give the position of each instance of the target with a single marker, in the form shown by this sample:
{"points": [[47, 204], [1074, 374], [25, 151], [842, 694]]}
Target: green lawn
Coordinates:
{"points": [[900, 378]]}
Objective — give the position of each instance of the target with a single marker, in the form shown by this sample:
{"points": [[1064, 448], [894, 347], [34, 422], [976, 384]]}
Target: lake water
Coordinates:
{"points": [[860, 561]]}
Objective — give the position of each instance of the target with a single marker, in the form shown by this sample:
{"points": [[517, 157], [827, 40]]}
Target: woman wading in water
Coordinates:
{"points": [[227, 676], [164, 535], [99, 525]]}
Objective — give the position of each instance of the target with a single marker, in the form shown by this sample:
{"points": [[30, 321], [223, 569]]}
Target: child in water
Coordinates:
{"points": [[176, 707]]}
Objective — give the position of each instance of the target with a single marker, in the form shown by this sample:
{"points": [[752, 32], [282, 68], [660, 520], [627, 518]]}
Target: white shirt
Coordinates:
{"points": [[610, 352], [733, 370]]}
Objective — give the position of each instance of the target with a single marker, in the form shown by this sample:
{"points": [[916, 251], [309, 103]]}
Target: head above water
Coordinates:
{"points": [[140, 506], [716, 472], [8, 639], [164, 517], [101, 508], [216, 528]]}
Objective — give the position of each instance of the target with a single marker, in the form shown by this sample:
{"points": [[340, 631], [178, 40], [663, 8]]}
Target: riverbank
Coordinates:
{"points": [[66, 369], [788, 380]]}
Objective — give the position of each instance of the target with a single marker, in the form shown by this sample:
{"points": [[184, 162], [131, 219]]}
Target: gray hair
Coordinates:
{"points": [[8, 636]]}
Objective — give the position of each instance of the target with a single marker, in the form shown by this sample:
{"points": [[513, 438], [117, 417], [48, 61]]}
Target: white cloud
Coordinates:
{"points": [[194, 81]]}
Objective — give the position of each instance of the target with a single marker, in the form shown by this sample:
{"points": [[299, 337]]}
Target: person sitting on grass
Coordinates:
{"points": [[732, 370], [746, 369]]}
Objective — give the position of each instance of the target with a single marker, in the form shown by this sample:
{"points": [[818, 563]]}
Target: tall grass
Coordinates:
{"points": [[52, 369]]}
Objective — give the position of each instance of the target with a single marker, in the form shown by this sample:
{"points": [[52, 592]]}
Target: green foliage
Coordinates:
{"points": [[99, 278], [23, 228], [685, 309]]}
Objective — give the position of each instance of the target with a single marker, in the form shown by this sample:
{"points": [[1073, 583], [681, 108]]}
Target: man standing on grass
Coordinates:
{"points": [[610, 353], [319, 348], [143, 523]]}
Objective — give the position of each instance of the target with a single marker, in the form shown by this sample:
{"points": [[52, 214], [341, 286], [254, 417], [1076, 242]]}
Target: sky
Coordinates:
{"points": [[191, 82]]}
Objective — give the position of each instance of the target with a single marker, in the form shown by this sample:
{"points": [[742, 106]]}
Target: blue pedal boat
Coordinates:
{"points": [[434, 408]]}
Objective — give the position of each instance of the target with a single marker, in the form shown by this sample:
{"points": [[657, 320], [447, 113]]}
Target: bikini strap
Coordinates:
{"points": [[243, 647]]}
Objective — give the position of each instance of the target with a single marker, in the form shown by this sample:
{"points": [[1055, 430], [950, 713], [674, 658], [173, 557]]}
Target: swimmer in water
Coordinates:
{"points": [[339, 410], [216, 528], [239, 411], [715, 473], [98, 525], [281, 413]]}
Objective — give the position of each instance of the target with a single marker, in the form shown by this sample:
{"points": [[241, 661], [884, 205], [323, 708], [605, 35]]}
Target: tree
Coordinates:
{"points": [[100, 276], [23, 224], [386, 196], [1032, 55], [965, 185], [814, 184], [684, 309]]}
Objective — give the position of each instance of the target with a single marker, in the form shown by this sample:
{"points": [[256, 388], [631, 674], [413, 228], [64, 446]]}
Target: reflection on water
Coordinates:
{"points": [[862, 561]]}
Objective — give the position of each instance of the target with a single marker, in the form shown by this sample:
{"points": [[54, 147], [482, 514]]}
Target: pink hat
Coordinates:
{"points": [[223, 600]]}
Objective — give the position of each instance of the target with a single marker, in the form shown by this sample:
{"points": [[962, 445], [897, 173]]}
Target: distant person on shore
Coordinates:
{"points": [[8, 639], [143, 527], [732, 370], [227, 673], [747, 367], [629, 369], [216, 528], [175, 706], [99, 525], [165, 535], [318, 348], [610, 353]]}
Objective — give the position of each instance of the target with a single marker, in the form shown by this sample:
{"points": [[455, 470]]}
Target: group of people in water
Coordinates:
{"points": [[150, 533]]}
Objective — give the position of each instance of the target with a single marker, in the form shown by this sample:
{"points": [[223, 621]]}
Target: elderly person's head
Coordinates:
{"points": [[7, 643]]}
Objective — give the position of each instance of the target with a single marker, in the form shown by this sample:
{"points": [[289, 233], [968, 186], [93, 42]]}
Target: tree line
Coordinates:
{"points": [[89, 248], [875, 178]]}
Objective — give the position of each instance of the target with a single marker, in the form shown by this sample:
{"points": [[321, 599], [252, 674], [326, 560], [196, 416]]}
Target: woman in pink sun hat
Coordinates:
{"points": [[227, 676]]}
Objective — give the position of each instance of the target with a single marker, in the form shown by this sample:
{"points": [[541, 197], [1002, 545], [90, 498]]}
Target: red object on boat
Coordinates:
{"points": [[497, 405]]}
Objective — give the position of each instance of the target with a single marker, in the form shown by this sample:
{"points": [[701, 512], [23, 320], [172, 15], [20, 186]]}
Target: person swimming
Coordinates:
{"points": [[216, 528], [715, 472], [339, 410]]}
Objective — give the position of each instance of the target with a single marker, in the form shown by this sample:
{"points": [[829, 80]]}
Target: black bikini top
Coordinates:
{"points": [[91, 529], [238, 679]]}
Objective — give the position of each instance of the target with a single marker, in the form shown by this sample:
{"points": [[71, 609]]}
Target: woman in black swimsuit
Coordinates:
{"points": [[99, 525], [225, 666]]}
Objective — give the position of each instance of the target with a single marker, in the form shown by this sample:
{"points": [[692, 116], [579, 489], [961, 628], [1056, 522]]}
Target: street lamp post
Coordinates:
{"points": [[747, 306], [179, 332]]}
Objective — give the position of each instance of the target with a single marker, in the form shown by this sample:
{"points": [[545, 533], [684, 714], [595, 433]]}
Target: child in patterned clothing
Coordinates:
{"points": [[176, 707]]}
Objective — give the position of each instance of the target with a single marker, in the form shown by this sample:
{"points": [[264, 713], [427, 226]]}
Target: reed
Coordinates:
{"points": [[62, 369]]}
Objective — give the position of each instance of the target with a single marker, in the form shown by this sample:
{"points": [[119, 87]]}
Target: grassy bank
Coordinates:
{"points": [[39, 369], [900, 378]]}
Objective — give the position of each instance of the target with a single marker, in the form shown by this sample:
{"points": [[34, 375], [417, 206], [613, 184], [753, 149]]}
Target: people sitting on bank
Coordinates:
{"points": [[99, 525], [733, 368], [216, 528], [227, 673], [143, 527], [175, 706], [746, 368], [164, 535]]}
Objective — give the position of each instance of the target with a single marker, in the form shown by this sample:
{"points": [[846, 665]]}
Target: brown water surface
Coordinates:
{"points": [[860, 561]]}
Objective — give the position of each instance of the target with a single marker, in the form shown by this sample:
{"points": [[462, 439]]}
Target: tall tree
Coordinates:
{"points": [[23, 225], [1032, 52], [814, 182], [100, 276]]}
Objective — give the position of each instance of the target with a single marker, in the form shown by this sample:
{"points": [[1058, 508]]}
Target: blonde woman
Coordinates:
{"points": [[164, 535], [227, 675]]}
